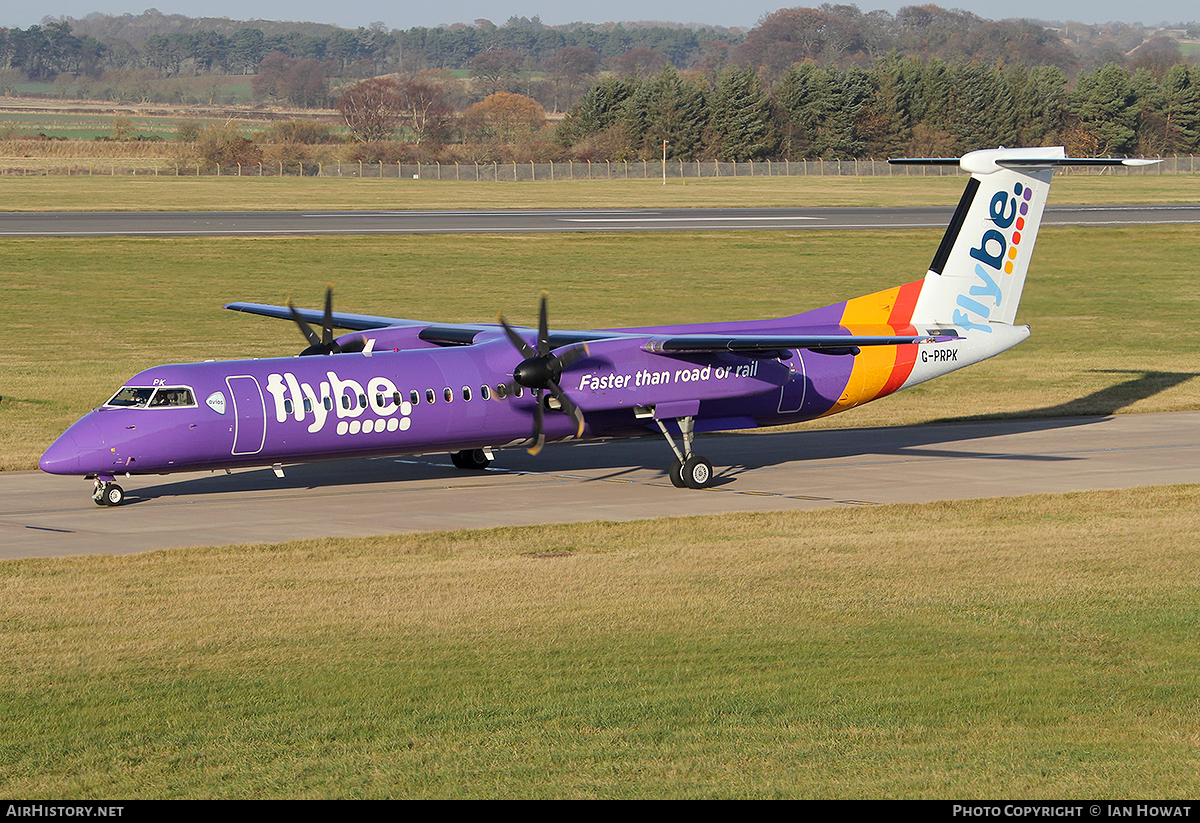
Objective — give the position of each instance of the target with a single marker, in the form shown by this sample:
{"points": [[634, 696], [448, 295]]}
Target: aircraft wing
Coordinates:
{"points": [[448, 334], [831, 343], [341, 320]]}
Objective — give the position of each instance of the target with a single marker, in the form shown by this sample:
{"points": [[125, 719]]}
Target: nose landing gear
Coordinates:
{"points": [[107, 493]]}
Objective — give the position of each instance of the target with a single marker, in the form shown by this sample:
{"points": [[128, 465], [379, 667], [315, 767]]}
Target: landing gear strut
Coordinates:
{"points": [[473, 459], [108, 493], [688, 470]]}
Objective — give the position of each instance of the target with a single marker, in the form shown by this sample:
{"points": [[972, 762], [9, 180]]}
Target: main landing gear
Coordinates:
{"points": [[107, 493], [472, 459], [688, 470]]}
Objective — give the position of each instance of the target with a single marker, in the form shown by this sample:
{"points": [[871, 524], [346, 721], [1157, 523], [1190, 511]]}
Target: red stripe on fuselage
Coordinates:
{"points": [[901, 321]]}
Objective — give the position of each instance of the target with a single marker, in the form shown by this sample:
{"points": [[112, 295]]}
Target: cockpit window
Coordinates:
{"points": [[172, 397], [165, 397], [131, 396]]}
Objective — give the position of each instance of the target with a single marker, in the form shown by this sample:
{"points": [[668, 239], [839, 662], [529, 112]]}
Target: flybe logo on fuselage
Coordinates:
{"points": [[996, 252], [376, 407]]}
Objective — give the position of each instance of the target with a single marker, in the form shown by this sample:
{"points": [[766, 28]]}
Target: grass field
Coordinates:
{"points": [[103, 192], [1039, 647]]}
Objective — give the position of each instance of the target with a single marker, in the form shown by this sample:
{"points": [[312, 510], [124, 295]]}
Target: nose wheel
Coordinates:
{"points": [[107, 493]]}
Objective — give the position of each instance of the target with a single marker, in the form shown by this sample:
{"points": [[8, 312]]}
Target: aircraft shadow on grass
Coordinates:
{"points": [[740, 453]]}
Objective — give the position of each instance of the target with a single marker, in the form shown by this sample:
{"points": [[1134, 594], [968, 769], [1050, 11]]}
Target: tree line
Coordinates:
{"points": [[900, 106], [42, 52], [832, 34]]}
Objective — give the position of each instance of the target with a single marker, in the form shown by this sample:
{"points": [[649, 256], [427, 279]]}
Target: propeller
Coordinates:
{"points": [[323, 343], [540, 371]]}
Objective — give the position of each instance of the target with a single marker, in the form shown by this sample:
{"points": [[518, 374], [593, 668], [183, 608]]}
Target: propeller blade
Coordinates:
{"points": [[305, 329], [539, 434], [523, 347], [568, 407], [324, 342], [327, 325], [571, 356], [543, 328]]}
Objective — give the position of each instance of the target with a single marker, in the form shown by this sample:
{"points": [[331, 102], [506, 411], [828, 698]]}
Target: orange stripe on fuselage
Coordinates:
{"points": [[879, 370]]}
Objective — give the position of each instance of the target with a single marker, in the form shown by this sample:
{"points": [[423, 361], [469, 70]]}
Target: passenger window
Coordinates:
{"points": [[485, 392], [307, 405], [287, 405], [430, 396], [467, 393], [414, 397], [501, 391], [345, 401], [362, 401], [446, 393], [327, 402]]}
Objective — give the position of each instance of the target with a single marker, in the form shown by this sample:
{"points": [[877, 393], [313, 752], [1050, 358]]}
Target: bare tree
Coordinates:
{"points": [[372, 108]]}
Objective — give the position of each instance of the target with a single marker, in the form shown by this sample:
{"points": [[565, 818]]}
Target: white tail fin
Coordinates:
{"points": [[978, 273]]}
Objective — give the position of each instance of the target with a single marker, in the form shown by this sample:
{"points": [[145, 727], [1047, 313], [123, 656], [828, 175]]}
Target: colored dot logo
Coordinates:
{"points": [[391, 424], [1026, 195]]}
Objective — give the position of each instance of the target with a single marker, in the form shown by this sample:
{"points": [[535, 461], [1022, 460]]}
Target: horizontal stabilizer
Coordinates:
{"points": [[990, 160]]}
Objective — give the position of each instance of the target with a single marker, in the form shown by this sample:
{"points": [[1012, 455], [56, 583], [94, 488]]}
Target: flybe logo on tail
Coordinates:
{"points": [[996, 252]]}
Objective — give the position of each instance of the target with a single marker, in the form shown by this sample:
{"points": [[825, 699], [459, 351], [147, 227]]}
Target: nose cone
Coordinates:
{"points": [[81, 449], [62, 457]]}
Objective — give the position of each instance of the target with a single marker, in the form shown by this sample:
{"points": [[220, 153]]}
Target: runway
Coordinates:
{"points": [[43, 515], [510, 221]]}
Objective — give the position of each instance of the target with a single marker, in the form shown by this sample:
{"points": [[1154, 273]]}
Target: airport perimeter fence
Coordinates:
{"points": [[518, 172]]}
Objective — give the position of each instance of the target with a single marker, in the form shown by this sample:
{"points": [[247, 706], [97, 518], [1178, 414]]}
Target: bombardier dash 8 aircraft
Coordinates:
{"points": [[394, 387]]}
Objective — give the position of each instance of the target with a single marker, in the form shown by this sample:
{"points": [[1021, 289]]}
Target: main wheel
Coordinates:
{"points": [[676, 473], [474, 459], [697, 472]]}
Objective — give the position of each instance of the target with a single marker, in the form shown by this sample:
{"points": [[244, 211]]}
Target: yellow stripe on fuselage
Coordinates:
{"points": [[873, 365]]}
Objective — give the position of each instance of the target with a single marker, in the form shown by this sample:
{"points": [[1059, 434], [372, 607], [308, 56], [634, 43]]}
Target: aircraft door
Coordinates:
{"points": [[791, 395], [249, 414]]}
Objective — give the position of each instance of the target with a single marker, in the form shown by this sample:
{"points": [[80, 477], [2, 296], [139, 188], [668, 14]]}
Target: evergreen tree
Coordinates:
{"points": [[667, 107], [741, 125], [1105, 113], [806, 98], [1181, 109], [602, 107]]}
